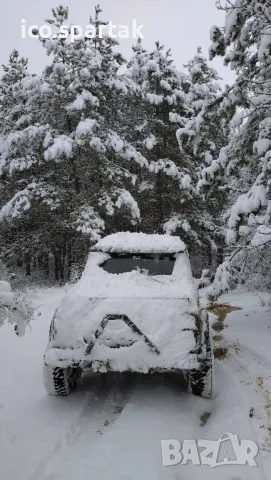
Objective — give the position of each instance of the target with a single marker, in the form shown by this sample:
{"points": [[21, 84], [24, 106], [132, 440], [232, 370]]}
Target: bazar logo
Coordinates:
{"points": [[207, 452]]}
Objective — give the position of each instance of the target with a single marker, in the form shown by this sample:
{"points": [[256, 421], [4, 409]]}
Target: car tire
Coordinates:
{"points": [[201, 381], [60, 381]]}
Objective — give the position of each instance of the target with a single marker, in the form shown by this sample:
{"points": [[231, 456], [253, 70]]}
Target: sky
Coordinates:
{"points": [[181, 25]]}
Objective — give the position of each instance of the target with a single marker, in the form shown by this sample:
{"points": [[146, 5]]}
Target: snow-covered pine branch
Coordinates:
{"points": [[245, 44], [14, 309]]}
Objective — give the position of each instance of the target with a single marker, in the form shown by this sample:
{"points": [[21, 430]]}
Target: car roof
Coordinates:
{"points": [[127, 242]]}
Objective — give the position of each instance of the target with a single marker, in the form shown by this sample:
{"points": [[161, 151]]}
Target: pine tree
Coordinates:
{"points": [[69, 159], [86, 150], [244, 164], [167, 182], [170, 99], [246, 45], [14, 72], [202, 135]]}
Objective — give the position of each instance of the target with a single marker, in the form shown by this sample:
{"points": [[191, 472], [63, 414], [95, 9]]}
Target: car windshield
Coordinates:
{"points": [[146, 264]]}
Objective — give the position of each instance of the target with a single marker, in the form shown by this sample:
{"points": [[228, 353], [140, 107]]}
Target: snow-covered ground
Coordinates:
{"points": [[111, 428]]}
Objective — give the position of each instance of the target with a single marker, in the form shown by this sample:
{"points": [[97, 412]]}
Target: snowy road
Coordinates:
{"points": [[111, 428]]}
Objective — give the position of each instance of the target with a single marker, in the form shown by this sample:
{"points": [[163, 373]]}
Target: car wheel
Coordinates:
{"points": [[60, 381], [200, 382]]}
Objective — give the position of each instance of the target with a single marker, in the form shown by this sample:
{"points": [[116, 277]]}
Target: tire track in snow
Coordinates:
{"points": [[97, 401], [258, 374], [248, 396], [260, 382], [100, 412], [254, 355]]}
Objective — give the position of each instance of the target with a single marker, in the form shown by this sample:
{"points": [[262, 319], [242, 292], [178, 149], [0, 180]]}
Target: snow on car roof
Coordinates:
{"points": [[126, 242]]}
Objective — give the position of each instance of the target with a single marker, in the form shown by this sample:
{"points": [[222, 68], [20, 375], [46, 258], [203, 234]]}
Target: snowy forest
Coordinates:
{"points": [[97, 144], [135, 243]]}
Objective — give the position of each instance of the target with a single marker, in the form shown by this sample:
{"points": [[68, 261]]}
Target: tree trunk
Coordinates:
{"points": [[27, 262], [69, 258], [56, 257]]}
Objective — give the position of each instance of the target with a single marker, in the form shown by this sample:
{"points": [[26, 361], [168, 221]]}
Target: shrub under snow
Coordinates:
{"points": [[14, 309]]}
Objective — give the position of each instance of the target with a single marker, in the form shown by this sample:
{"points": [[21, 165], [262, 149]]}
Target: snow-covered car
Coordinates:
{"points": [[135, 308]]}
